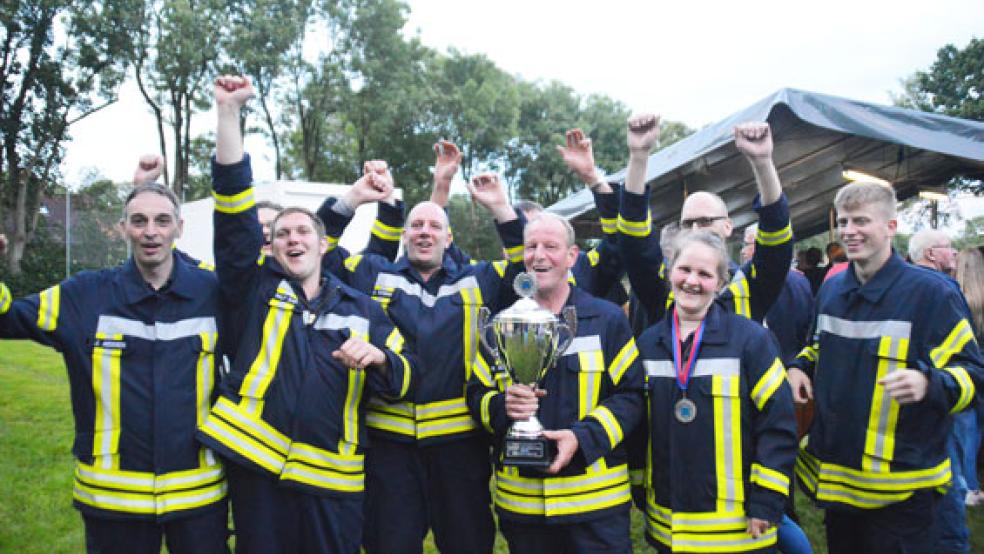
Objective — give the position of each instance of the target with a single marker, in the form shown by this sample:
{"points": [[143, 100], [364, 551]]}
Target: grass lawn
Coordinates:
{"points": [[36, 469]]}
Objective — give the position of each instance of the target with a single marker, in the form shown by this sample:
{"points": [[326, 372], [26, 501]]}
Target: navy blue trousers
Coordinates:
{"points": [[445, 487], [908, 527], [272, 519], [605, 535], [203, 533]]}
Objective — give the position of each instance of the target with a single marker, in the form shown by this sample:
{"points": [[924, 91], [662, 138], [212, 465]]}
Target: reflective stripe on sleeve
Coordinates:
{"points": [[234, 203]]}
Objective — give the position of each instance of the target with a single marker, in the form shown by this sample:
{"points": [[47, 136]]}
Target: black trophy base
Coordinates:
{"points": [[535, 453]]}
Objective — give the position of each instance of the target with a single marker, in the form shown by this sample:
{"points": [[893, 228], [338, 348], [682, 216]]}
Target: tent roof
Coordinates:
{"points": [[816, 137]]}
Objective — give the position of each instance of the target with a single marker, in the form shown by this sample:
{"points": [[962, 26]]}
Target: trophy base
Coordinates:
{"points": [[536, 453]]}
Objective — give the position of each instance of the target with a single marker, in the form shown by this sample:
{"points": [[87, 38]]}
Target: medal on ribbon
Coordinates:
{"points": [[685, 410]]}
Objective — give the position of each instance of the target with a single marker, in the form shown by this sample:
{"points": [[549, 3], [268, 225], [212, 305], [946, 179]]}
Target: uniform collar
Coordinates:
{"points": [[715, 326], [879, 284], [585, 304], [448, 266], [136, 289]]}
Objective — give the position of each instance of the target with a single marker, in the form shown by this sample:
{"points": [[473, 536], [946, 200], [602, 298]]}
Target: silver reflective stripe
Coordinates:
{"points": [[144, 503], [430, 428], [890, 483], [335, 322], [864, 329], [242, 446], [167, 503], [106, 399], [251, 426], [323, 458], [729, 454], [113, 325], [880, 458], [271, 346], [725, 367], [769, 537], [590, 343], [399, 282], [621, 491], [695, 520], [455, 407], [298, 471], [168, 481]]}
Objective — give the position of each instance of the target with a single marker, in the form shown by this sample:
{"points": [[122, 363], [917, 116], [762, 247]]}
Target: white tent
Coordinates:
{"points": [[197, 237]]}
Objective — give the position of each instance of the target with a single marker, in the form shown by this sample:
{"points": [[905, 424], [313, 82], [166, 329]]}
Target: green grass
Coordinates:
{"points": [[36, 463]]}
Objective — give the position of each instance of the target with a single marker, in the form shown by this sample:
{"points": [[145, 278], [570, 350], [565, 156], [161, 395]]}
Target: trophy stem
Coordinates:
{"points": [[529, 429]]}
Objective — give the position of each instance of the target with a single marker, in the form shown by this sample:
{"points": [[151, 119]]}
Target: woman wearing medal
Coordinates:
{"points": [[721, 428]]}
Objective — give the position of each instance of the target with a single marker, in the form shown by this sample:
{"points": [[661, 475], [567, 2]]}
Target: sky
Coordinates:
{"points": [[695, 62]]}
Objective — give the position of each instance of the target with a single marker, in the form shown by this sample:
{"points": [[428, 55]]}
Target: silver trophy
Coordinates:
{"points": [[527, 339]]}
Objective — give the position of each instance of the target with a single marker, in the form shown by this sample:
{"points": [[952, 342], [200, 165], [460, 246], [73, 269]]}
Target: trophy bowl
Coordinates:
{"points": [[527, 340]]}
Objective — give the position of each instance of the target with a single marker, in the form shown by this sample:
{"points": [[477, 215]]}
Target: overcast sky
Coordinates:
{"points": [[695, 62]]}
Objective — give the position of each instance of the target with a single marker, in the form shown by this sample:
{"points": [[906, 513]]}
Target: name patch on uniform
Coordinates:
{"points": [[109, 343]]}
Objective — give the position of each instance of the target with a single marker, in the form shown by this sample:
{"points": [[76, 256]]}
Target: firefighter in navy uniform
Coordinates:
{"points": [[593, 400], [429, 467], [290, 418], [891, 358], [139, 344], [722, 435]]}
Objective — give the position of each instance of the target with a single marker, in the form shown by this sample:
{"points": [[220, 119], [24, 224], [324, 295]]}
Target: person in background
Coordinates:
{"points": [[970, 277], [931, 248]]}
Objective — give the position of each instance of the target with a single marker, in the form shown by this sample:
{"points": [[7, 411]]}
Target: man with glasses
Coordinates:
{"points": [[931, 248]]}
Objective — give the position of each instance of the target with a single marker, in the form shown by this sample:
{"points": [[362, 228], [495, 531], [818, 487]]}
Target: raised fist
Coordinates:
{"points": [[149, 169], [643, 133], [754, 139], [233, 90]]}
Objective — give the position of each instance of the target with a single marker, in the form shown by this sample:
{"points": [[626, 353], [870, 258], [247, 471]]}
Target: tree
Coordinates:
{"points": [[174, 57], [58, 58]]}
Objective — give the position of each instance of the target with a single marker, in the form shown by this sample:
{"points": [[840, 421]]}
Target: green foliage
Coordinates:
{"points": [[43, 264], [474, 231]]}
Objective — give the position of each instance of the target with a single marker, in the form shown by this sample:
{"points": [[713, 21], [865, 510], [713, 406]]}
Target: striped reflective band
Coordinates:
{"points": [[49, 307], [157, 331], [485, 414], [483, 371], [358, 325], [147, 493], [623, 360], [352, 262], [609, 423], [106, 389], [589, 343], [865, 489], [967, 388], [740, 295], [863, 329], [241, 431], [324, 469], [5, 299], [204, 383], [597, 489], [609, 225], [724, 367], [332, 242], [514, 254], [499, 266], [234, 203], [386, 232], [952, 344], [396, 417], [809, 352], [770, 479], [591, 365], [727, 442], [774, 238], [393, 281], [879, 442], [264, 366], [350, 409], [768, 383], [593, 257], [703, 531], [421, 421], [635, 228], [471, 304]]}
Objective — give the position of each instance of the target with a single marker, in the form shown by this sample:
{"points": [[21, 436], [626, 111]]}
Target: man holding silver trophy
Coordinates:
{"points": [[578, 375]]}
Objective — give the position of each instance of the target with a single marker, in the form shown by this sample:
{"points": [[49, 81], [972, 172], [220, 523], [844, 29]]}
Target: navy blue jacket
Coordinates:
{"points": [[141, 367]]}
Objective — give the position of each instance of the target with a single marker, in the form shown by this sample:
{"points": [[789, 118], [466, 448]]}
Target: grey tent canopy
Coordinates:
{"points": [[816, 138]]}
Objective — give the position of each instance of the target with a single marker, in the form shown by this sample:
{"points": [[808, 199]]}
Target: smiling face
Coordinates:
{"points": [[548, 253], [426, 237], [150, 226], [695, 279], [703, 210], [298, 246], [866, 233]]}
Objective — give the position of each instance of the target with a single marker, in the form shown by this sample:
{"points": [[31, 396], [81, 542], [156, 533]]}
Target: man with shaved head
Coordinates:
{"points": [[429, 463]]}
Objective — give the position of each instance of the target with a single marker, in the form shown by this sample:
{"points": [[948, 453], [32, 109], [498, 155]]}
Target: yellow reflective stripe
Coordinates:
{"points": [[446, 426], [49, 308], [234, 203], [592, 364], [350, 409], [626, 356], [809, 352], [774, 238], [514, 254], [606, 418], [953, 343], [967, 389], [609, 225], [204, 383], [5, 299], [352, 262], [264, 367], [486, 416], [635, 228], [395, 341], [152, 504], [146, 482], [321, 468], [332, 242], [727, 442], [395, 417], [865, 489], [106, 390], [386, 232], [472, 303], [255, 440], [703, 531], [483, 371], [637, 477], [879, 442], [499, 266], [768, 383], [593, 257], [597, 489], [739, 293], [769, 479]]}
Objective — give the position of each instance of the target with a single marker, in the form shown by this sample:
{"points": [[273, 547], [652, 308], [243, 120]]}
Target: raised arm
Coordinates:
{"points": [[149, 169], [754, 141], [448, 160]]}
